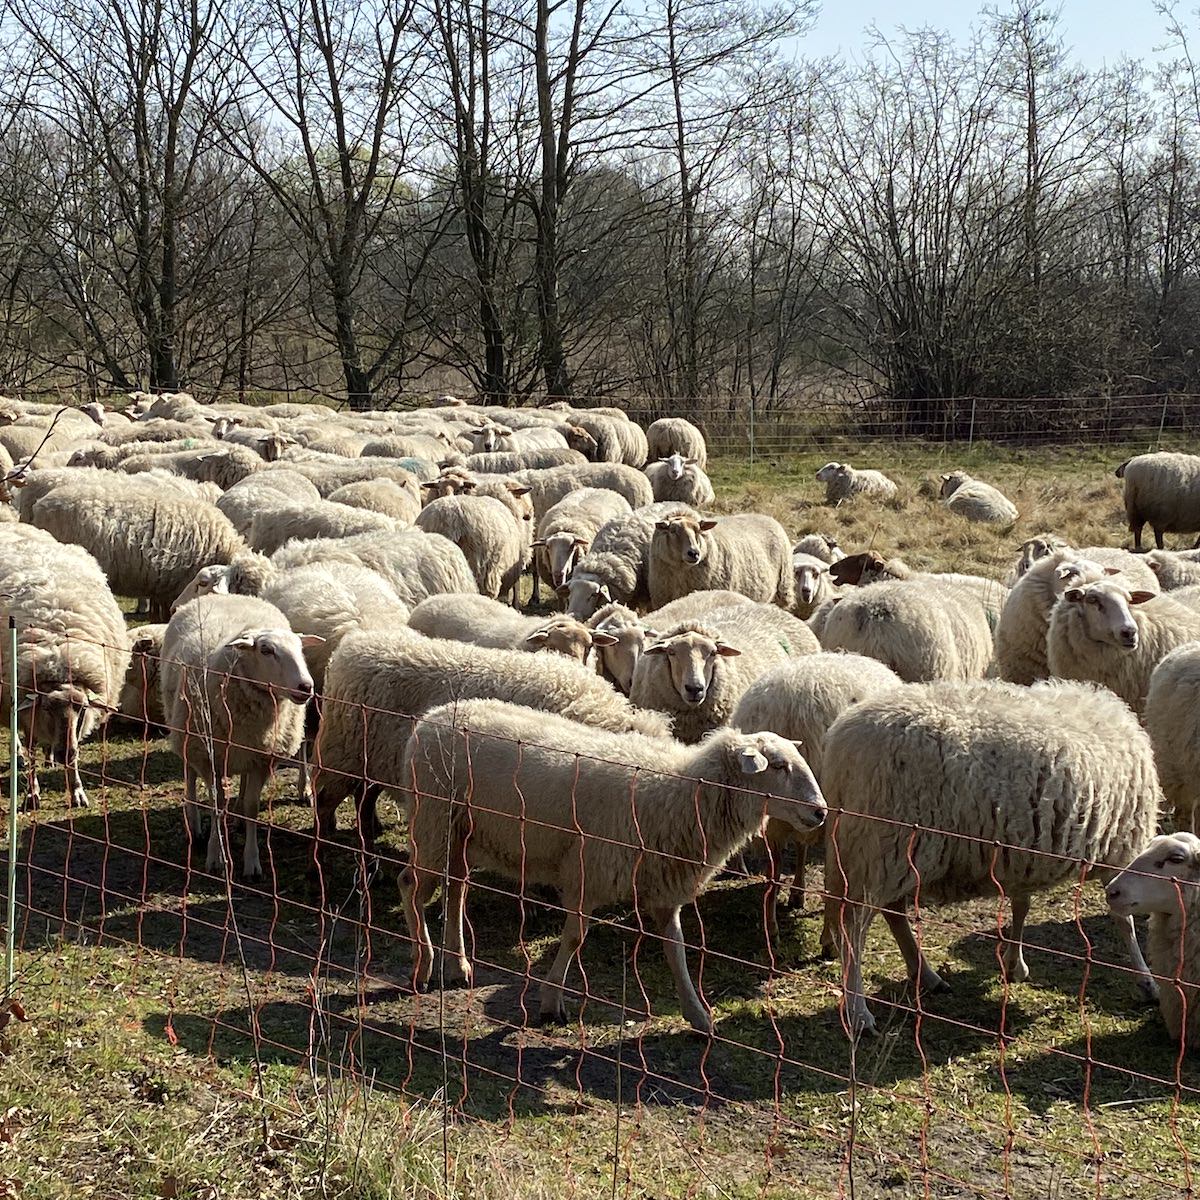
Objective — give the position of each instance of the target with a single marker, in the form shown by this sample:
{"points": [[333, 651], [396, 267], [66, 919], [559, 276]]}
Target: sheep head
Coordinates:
{"points": [[1107, 612], [682, 538], [692, 658], [778, 769], [273, 660], [1164, 878]]}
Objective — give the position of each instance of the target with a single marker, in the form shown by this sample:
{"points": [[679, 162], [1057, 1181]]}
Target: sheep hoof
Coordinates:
{"points": [[552, 1016], [828, 953], [79, 800], [932, 983]]}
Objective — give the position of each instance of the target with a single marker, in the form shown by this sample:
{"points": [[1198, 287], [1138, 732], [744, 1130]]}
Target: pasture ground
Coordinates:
{"points": [[197, 1048]]}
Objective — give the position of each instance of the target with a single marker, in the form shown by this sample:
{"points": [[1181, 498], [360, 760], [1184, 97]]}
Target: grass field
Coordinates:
{"points": [[189, 1038]]}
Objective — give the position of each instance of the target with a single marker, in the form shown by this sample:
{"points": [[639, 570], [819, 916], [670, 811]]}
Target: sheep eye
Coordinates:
{"points": [[269, 651], [1177, 858]]}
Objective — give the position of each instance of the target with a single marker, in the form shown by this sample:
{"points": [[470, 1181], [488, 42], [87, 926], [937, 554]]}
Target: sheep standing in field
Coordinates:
{"points": [[1174, 569], [799, 700], [616, 567], [682, 479], [547, 488], [842, 482], [566, 532], [234, 690], [820, 545], [378, 682], [1025, 617], [748, 553], [220, 464], [697, 670], [975, 500], [1164, 490], [674, 435], [629, 819], [1173, 723], [814, 585], [1107, 633], [1163, 882], [148, 544], [923, 629], [72, 652], [384, 496], [489, 535], [273, 525], [264, 489], [485, 622], [141, 693], [960, 789]]}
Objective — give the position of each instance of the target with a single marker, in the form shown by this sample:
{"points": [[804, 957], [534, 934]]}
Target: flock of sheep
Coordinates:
{"points": [[350, 582]]}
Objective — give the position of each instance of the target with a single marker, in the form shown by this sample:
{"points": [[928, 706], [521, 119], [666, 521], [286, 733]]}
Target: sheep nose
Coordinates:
{"points": [[695, 692], [1129, 637], [692, 556], [1113, 892]]}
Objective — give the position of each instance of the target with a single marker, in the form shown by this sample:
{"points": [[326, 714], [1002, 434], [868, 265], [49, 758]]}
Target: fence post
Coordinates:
{"points": [[752, 428], [971, 431], [10, 959], [1162, 421]]}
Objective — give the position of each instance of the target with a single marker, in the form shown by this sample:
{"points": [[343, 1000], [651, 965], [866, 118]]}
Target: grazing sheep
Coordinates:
{"points": [[547, 488], [234, 690], [616, 567], [484, 622], [674, 435], [1109, 634], [698, 670], [749, 553], [276, 524], [378, 683], [820, 545], [616, 660], [72, 652], [682, 479], [1025, 617], [799, 700], [603, 818], [975, 500], [566, 531], [328, 474], [923, 629], [1173, 722], [842, 482], [1174, 569], [220, 464], [505, 462], [488, 534], [1163, 882], [147, 544], [1164, 490], [141, 693], [814, 585], [961, 789], [264, 489], [385, 496]]}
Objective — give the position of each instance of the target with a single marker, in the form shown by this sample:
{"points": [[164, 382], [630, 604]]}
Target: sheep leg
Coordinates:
{"points": [[1012, 960], [78, 797], [249, 796], [536, 576], [27, 760], [456, 968], [191, 806], [416, 891], [857, 919], [1145, 980], [369, 825], [672, 932], [552, 1009], [215, 861], [919, 970]]}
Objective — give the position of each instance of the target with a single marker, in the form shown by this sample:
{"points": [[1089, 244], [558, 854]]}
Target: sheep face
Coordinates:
{"points": [[692, 662], [205, 582], [585, 597], [1037, 548], [568, 637], [677, 465], [448, 483], [1107, 612], [682, 538], [952, 482], [620, 657], [830, 471], [792, 795], [1155, 881], [808, 580], [273, 659], [579, 439], [60, 719], [564, 552], [487, 439]]}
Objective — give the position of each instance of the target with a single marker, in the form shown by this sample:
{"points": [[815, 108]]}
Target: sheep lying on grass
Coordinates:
{"points": [[603, 818], [977, 501], [842, 482]]}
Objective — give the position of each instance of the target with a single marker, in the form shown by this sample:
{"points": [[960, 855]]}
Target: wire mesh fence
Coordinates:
{"points": [[693, 1043]]}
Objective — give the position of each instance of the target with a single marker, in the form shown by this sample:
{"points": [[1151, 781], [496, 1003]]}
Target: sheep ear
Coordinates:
{"points": [[27, 701], [653, 634], [311, 639], [604, 593], [538, 638], [798, 744], [662, 524], [538, 542], [244, 642], [752, 761], [94, 701], [944, 478], [727, 651], [1073, 595], [518, 489], [431, 484], [708, 523], [562, 590], [1117, 570], [469, 485], [691, 462], [604, 639], [582, 543], [657, 648], [1065, 571], [1141, 597]]}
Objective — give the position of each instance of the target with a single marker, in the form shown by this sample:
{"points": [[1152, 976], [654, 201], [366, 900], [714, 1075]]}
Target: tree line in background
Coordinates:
{"points": [[587, 198]]}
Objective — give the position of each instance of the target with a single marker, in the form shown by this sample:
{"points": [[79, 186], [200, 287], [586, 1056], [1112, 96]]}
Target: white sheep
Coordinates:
{"points": [[278, 523], [748, 553], [842, 482], [603, 818], [1164, 490], [548, 487], [1032, 550], [485, 622], [697, 670], [384, 496], [616, 660], [234, 690], [923, 629], [220, 464], [565, 533], [1172, 720], [962, 789], [72, 652], [1174, 569], [1025, 617], [975, 500], [261, 490], [505, 462], [1109, 634], [814, 585], [1163, 882], [141, 692], [682, 479], [674, 435], [820, 545], [488, 534]]}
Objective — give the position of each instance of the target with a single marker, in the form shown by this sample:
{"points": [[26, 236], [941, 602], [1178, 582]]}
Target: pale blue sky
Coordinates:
{"points": [[1099, 31]]}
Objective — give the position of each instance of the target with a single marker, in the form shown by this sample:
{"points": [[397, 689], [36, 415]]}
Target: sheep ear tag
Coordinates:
{"points": [[751, 761]]}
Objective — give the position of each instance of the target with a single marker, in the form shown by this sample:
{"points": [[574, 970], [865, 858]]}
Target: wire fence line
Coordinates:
{"points": [[313, 965]]}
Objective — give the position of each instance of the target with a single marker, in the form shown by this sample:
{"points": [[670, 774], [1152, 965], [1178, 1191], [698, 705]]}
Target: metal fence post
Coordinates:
{"points": [[752, 429], [10, 957], [1162, 421], [971, 431]]}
